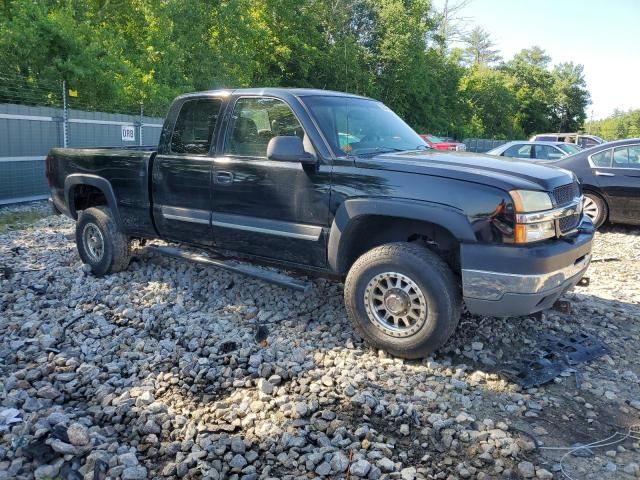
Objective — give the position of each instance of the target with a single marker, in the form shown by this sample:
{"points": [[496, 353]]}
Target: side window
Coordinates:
{"points": [[518, 151], [195, 125], [545, 138], [547, 152], [255, 121], [602, 159], [634, 156], [620, 157], [586, 142]]}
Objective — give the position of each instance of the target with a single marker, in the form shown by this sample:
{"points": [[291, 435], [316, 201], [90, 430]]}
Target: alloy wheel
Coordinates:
{"points": [[395, 304]]}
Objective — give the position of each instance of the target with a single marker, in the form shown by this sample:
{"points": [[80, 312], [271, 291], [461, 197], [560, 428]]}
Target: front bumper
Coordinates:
{"points": [[510, 281]]}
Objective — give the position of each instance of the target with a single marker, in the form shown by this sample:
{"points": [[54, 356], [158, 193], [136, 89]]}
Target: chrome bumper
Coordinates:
{"points": [[486, 285]]}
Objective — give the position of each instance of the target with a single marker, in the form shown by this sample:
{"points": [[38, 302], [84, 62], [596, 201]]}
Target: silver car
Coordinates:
{"points": [[535, 150]]}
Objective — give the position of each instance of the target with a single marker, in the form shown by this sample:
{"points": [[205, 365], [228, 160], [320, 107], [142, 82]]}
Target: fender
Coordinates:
{"points": [[450, 218], [100, 183]]}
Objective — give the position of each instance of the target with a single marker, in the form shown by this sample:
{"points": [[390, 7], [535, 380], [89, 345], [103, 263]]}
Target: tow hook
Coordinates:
{"points": [[562, 306], [584, 282]]}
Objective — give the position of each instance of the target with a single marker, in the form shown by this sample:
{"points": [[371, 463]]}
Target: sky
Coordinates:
{"points": [[602, 35]]}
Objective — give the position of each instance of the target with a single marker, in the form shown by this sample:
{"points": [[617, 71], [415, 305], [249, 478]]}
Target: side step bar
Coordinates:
{"points": [[256, 272]]}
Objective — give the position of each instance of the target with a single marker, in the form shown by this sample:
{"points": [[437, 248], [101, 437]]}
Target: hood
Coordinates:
{"points": [[500, 172]]}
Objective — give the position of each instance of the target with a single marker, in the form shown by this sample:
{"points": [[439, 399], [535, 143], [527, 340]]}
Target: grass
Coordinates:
{"points": [[19, 220]]}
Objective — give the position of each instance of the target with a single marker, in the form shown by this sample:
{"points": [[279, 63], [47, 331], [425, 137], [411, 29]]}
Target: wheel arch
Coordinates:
{"points": [[364, 223], [92, 183]]}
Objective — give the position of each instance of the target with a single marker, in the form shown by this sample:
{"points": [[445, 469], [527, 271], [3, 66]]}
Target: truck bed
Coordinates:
{"points": [[127, 169]]}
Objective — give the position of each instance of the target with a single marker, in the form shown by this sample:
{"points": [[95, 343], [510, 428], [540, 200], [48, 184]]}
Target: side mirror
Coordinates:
{"points": [[288, 149]]}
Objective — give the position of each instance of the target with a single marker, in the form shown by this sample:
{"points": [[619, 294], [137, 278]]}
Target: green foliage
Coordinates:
{"points": [[119, 54], [619, 125]]}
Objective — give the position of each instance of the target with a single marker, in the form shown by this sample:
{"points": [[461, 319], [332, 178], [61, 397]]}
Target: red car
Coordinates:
{"points": [[440, 144]]}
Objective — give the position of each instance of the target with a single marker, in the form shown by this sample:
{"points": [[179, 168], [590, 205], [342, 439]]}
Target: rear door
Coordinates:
{"points": [[272, 209], [547, 152], [519, 150], [182, 172]]}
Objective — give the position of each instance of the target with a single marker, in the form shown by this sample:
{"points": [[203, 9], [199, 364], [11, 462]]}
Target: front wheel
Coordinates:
{"points": [[403, 298], [101, 244], [595, 208]]}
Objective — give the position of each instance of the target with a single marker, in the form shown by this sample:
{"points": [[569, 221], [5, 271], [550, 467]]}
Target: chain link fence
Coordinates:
{"points": [[37, 116]]}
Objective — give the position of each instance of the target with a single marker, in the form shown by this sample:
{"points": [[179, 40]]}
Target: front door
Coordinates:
{"points": [[272, 209], [182, 173], [618, 174]]}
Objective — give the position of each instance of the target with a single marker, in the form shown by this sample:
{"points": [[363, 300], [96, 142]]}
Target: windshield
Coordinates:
{"points": [[569, 148], [358, 126]]}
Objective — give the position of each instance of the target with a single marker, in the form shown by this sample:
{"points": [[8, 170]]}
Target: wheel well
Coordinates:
{"points": [[86, 196], [369, 231]]}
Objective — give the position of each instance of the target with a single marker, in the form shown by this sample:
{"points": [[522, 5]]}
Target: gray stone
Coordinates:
{"points": [[386, 465], [128, 459], [339, 462], [78, 434], [323, 469], [265, 386], [47, 472], [238, 446], [61, 447], [238, 462], [360, 468], [408, 473], [526, 469], [134, 473], [301, 409]]}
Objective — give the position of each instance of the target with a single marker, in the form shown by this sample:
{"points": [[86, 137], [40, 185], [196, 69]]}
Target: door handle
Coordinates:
{"points": [[604, 174], [223, 178]]}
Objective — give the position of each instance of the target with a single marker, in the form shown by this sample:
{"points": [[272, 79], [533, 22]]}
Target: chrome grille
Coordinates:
{"points": [[567, 224], [565, 194]]}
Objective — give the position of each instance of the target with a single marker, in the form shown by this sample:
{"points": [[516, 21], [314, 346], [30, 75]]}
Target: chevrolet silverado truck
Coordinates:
{"points": [[336, 185]]}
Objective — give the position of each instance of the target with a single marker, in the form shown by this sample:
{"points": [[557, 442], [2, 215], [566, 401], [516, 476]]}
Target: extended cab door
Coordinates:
{"points": [[273, 209], [182, 171]]}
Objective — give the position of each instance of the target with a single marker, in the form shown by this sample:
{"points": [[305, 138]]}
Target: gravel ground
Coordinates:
{"points": [[173, 370]]}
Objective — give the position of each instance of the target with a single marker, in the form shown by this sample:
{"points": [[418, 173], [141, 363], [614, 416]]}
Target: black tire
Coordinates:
{"points": [[98, 223], [601, 206], [429, 273]]}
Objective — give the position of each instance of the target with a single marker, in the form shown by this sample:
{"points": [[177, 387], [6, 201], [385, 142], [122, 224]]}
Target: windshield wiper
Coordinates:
{"points": [[376, 150]]}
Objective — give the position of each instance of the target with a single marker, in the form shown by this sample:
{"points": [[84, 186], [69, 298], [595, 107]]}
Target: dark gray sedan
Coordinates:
{"points": [[535, 150]]}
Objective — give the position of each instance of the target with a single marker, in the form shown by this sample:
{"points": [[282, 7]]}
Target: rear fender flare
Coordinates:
{"points": [[447, 217], [100, 183]]}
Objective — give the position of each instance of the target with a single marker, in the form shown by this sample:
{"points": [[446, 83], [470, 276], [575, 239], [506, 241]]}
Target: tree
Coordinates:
{"points": [[479, 48], [490, 96], [571, 97]]}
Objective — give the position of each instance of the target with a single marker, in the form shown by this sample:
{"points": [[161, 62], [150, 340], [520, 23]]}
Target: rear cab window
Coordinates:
{"points": [[195, 126]]}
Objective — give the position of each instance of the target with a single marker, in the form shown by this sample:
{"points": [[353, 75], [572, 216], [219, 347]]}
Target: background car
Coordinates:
{"points": [[610, 178], [535, 150], [441, 144], [584, 141]]}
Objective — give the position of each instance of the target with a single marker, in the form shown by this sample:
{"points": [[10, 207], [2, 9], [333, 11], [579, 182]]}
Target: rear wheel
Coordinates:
{"points": [[595, 208], [100, 242], [403, 298]]}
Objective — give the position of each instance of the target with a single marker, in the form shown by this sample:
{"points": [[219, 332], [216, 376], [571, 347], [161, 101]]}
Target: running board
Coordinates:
{"points": [[256, 272]]}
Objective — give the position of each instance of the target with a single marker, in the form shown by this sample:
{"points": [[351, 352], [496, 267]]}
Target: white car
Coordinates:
{"points": [[535, 150]]}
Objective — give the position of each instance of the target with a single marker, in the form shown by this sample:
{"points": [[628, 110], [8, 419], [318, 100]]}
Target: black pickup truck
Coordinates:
{"points": [[337, 185]]}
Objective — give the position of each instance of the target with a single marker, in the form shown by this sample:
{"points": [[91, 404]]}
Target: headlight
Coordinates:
{"points": [[526, 201], [534, 232]]}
